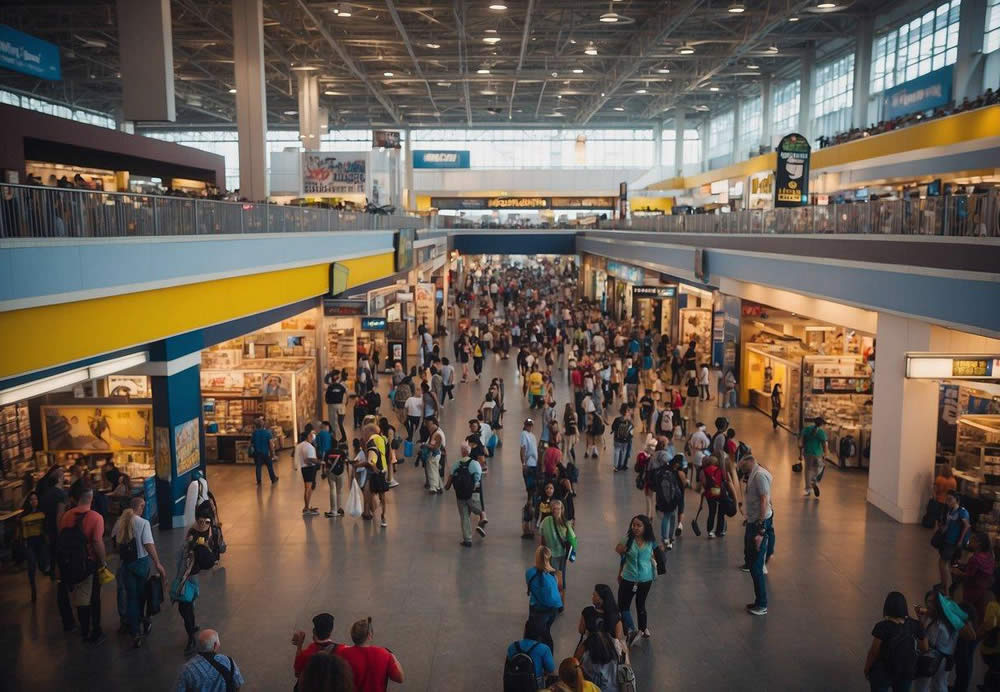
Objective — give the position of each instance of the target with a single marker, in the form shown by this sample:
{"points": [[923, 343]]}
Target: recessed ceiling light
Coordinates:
{"points": [[663, 70], [577, 71], [345, 10], [714, 88], [793, 19], [737, 8], [497, 6], [491, 39], [482, 70], [686, 50], [232, 91], [619, 108], [591, 49], [433, 45], [388, 74], [640, 91], [609, 17]]}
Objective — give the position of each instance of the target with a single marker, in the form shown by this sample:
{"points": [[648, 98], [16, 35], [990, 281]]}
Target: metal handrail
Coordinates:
{"points": [[28, 211], [976, 215]]}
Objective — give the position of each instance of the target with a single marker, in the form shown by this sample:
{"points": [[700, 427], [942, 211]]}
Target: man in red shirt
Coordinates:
{"points": [[85, 595], [373, 666], [321, 643]]}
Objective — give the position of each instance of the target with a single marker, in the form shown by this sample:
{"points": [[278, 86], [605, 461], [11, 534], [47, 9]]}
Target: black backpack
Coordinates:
{"points": [[623, 431], [462, 481], [374, 401], [519, 671], [668, 489], [129, 550], [848, 447], [71, 553], [901, 654]]}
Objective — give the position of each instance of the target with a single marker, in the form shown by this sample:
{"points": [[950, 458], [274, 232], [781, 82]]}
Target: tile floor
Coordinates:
{"points": [[449, 612]]}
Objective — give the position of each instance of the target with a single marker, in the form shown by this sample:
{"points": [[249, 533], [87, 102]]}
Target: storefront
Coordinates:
{"points": [[270, 374], [620, 282], [654, 307]]}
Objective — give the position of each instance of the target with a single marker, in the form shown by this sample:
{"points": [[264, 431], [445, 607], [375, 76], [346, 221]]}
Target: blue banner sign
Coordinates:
{"points": [[24, 53], [626, 272], [924, 93], [373, 324], [423, 158]]}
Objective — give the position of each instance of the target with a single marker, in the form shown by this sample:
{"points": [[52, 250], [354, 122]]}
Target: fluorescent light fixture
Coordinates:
{"points": [[714, 88], [388, 74], [772, 49], [48, 384], [492, 40], [489, 91], [433, 45], [497, 6], [640, 91], [232, 91], [686, 50], [483, 70], [737, 8], [820, 328], [591, 49], [826, 5], [117, 364], [753, 66], [444, 84], [793, 19], [663, 70], [291, 112], [619, 109], [609, 17], [577, 71], [344, 10]]}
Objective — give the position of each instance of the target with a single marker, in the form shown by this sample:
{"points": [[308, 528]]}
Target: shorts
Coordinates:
{"points": [[948, 551], [309, 474], [378, 484]]}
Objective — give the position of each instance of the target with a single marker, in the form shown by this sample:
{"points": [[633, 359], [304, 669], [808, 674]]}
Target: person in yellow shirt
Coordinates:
{"points": [[536, 388], [34, 543]]}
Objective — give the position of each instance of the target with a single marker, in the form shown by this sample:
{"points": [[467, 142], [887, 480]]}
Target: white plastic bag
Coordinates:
{"points": [[354, 505]]}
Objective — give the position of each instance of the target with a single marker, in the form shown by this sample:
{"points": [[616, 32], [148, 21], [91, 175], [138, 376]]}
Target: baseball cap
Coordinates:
{"points": [[528, 421]]}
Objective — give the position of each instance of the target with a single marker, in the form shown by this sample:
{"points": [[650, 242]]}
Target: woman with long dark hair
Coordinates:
{"points": [[776, 403], [602, 616], [326, 673], [636, 574], [878, 667]]}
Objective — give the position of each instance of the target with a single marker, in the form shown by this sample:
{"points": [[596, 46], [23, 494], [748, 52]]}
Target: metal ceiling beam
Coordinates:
{"points": [[459, 11], [623, 68], [525, 34], [409, 49], [750, 40], [375, 90]]}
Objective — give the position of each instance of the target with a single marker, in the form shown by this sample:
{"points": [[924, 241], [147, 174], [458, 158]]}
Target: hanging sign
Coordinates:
{"points": [[924, 93], [385, 139], [326, 173], [934, 366], [32, 56], [791, 187], [653, 291]]}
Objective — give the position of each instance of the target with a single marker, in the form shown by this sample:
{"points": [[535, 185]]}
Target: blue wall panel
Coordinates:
{"points": [[501, 243]]}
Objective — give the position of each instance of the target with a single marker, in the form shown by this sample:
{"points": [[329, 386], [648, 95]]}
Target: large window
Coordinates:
{"points": [[692, 147], [751, 127], [991, 41], [786, 109], [926, 43], [512, 148], [57, 109], [834, 95], [720, 135]]}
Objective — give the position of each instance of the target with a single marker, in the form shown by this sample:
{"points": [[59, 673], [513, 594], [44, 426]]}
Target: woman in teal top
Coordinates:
{"points": [[557, 535], [636, 574]]}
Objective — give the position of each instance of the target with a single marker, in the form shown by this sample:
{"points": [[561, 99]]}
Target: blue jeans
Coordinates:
{"points": [[135, 573], [621, 455], [758, 556], [668, 525], [264, 460]]}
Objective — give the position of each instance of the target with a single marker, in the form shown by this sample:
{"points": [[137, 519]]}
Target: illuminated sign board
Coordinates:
{"points": [[932, 366], [373, 324]]}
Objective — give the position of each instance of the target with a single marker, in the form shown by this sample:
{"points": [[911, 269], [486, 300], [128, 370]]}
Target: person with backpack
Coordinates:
{"points": [[601, 616], [813, 447], [951, 535], [636, 573], [335, 397], [715, 487], [377, 464], [599, 659], [529, 660], [466, 476], [209, 671], [199, 553], [134, 538], [544, 599], [80, 553], [556, 533], [897, 641], [945, 622], [321, 643], [622, 431]]}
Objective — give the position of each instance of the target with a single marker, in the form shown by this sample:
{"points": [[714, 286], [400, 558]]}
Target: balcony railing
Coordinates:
{"points": [[956, 215], [45, 212]]}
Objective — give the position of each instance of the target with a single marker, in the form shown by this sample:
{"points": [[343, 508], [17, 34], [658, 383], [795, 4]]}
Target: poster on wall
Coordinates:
{"points": [[385, 139], [186, 436], [161, 451], [381, 194], [97, 428], [324, 173], [923, 93], [791, 187], [132, 386]]}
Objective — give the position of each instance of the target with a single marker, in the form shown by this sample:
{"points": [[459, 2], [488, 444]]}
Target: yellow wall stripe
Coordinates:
{"points": [[50, 335]]}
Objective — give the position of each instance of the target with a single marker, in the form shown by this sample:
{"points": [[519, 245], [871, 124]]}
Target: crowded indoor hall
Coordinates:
{"points": [[289, 287]]}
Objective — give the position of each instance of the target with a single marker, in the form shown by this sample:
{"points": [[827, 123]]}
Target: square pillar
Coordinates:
{"points": [[146, 60], [766, 112], [968, 79], [862, 71], [806, 98], [309, 120], [177, 428], [251, 99], [680, 124], [904, 422]]}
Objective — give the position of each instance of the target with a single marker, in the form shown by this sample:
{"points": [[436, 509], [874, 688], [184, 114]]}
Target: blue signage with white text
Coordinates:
{"points": [[423, 158], [924, 93], [24, 53]]}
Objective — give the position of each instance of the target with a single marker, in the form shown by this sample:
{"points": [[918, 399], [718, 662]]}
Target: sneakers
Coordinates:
{"points": [[383, 523], [630, 639], [668, 545], [147, 627], [816, 489], [680, 529], [329, 515], [757, 611], [745, 568], [466, 544], [765, 568], [646, 634], [310, 512], [96, 638], [806, 493], [711, 534], [480, 530], [393, 483]]}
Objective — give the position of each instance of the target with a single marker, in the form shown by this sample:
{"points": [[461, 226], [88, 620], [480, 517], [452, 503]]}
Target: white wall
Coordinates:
{"points": [[527, 181], [817, 308]]}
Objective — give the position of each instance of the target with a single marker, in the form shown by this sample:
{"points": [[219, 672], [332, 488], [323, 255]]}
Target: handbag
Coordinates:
{"points": [[183, 590], [408, 448], [354, 506], [661, 560]]}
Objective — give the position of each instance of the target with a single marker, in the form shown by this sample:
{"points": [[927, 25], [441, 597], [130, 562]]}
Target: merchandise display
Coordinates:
{"points": [[696, 323], [15, 437], [342, 347], [838, 388]]}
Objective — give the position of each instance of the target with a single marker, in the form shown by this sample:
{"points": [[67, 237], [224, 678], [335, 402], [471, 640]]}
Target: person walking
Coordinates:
{"points": [[321, 643], [622, 431], [533, 645], [556, 534], [698, 445], [447, 380], [570, 433], [209, 671], [729, 384], [305, 460], [199, 552], [813, 447], [776, 404], [715, 484], [895, 623], [952, 531], [636, 574], [334, 464], [544, 599], [529, 457], [140, 563], [32, 524], [693, 397], [336, 398], [759, 536], [414, 408], [373, 666], [80, 553], [704, 379], [262, 450], [435, 447], [466, 477]]}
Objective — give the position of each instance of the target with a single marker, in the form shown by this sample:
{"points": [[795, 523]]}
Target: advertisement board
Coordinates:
{"points": [[423, 158], [186, 437], [373, 324], [97, 428], [924, 93], [24, 53], [326, 173], [404, 248], [791, 187], [385, 139]]}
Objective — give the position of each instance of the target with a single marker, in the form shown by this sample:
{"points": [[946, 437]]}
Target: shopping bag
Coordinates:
{"points": [[407, 448], [354, 506]]}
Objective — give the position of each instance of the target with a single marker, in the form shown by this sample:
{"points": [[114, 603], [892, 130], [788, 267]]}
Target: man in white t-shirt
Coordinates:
{"points": [[699, 444], [598, 343], [414, 407], [135, 573], [529, 456], [435, 448], [305, 460]]}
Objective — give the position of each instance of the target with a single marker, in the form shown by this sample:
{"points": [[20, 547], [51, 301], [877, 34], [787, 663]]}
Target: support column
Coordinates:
{"points": [[146, 60], [251, 99], [968, 81], [309, 125], [410, 203], [657, 147], [766, 112], [737, 153], [862, 71], [904, 422], [807, 64], [680, 124]]}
